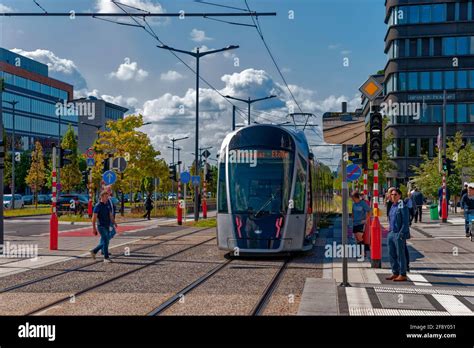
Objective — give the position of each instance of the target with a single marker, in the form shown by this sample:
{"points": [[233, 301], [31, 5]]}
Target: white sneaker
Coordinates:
{"points": [[107, 261], [92, 254]]}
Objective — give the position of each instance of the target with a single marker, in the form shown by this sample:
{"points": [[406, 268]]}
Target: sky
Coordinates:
{"points": [[311, 40]]}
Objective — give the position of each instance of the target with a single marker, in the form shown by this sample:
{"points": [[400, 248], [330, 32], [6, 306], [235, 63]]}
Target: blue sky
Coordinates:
{"points": [[309, 48]]}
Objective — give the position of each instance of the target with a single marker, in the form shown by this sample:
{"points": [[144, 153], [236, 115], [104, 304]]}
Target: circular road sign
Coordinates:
{"points": [[185, 177], [353, 172], [90, 152], [120, 164]]}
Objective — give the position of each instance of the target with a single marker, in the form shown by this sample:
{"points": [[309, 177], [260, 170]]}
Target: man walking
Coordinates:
{"points": [[418, 198], [103, 215], [148, 206], [396, 239]]}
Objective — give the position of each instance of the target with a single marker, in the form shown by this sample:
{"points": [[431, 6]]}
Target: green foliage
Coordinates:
{"points": [[428, 178], [36, 177], [71, 176]]}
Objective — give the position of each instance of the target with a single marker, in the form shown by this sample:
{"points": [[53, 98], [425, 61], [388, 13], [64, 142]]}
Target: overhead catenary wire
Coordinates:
{"points": [[260, 32], [152, 33]]}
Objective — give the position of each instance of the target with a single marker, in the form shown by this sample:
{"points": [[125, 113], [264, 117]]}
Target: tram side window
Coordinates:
{"points": [[222, 199], [299, 197]]}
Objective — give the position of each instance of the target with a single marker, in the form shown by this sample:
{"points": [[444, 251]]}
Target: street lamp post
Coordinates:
{"points": [[13, 104], [197, 55], [250, 102]]}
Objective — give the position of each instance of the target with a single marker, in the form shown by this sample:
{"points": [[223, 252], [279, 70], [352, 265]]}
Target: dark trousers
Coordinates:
{"points": [[147, 214], [412, 213], [418, 213]]}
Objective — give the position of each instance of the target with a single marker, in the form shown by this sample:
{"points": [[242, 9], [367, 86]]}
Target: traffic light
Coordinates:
{"points": [[449, 166], [63, 157], [173, 175], [209, 176], [376, 129], [354, 156], [85, 176]]}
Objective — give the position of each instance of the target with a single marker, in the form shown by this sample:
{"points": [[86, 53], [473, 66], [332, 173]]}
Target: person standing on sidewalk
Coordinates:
{"points": [[397, 238], [148, 206], [388, 199], [360, 215], [103, 214], [418, 198], [467, 203]]}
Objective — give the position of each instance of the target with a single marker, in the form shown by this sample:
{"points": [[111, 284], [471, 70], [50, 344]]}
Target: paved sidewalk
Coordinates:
{"points": [[441, 280]]}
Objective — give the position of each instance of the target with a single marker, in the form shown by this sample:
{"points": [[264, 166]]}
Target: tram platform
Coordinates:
{"points": [[440, 280]]}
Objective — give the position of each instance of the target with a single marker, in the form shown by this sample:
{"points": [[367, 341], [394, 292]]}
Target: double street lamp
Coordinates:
{"points": [[197, 54], [250, 102], [13, 104]]}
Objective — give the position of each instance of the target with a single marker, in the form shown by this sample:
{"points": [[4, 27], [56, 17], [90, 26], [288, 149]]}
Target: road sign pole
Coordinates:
{"points": [[91, 192], [53, 222], [345, 219], [376, 229], [204, 191], [154, 186], [179, 209]]}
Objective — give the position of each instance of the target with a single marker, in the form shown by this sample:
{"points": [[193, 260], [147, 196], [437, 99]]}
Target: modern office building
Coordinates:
{"points": [[94, 117], [430, 49], [27, 83]]}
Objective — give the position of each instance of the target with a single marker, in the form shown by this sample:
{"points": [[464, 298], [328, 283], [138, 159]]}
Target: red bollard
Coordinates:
{"points": [[53, 232], [89, 208], [444, 210], [376, 243], [204, 209], [179, 213]]}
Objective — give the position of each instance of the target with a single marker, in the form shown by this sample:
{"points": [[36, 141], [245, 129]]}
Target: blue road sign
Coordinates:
{"points": [[196, 180], [185, 177], [109, 177], [90, 162], [353, 172]]}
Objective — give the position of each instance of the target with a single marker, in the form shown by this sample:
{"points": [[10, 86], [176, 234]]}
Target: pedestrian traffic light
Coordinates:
{"points": [[63, 157], [173, 175], [376, 136]]}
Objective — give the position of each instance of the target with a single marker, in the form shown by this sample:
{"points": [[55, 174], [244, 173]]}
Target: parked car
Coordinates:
{"points": [[28, 199], [172, 196], [44, 199], [18, 202], [65, 201]]}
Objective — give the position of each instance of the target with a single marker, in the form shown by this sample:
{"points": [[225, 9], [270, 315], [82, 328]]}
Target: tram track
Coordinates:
{"points": [[89, 289], [83, 267]]}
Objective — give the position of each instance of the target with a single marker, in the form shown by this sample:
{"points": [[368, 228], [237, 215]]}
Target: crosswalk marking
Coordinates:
{"points": [[419, 280], [358, 297], [452, 305]]}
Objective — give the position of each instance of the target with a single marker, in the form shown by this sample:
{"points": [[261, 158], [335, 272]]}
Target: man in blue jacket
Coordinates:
{"points": [[467, 203], [397, 238]]}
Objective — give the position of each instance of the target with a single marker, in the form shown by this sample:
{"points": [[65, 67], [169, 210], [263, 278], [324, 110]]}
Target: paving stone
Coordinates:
{"points": [[409, 301]]}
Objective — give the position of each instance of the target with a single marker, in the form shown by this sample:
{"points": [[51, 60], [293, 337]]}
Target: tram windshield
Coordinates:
{"points": [[260, 181]]}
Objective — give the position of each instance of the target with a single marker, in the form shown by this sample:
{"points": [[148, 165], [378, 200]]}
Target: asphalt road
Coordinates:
{"points": [[29, 226]]}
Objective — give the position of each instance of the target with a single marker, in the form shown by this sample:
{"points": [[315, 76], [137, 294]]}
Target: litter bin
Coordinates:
{"points": [[434, 212]]}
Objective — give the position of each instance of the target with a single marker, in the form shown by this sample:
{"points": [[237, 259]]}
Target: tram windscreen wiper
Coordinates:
{"points": [[272, 197]]}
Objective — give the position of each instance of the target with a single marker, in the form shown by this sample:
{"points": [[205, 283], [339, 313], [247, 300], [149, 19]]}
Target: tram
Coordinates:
{"points": [[271, 191]]}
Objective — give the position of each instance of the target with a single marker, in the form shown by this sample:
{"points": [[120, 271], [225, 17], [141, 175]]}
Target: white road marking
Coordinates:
{"points": [[452, 305], [419, 280]]}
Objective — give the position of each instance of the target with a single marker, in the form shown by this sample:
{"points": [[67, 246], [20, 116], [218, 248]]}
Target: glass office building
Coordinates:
{"points": [[430, 50], [27, 82]]}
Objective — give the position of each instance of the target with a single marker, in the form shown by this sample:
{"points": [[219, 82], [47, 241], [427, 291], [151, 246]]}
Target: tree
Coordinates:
{"points": [[21, 171], [71, 176], [428, 177], [121, 139], [36, 177]]}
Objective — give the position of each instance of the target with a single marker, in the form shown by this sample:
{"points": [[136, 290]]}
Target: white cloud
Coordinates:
{"points": [[129, 71], [5, 8], [60, 68], [108, 6], [175, 114], [199, 35], [128, 102], [171, 75]]}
